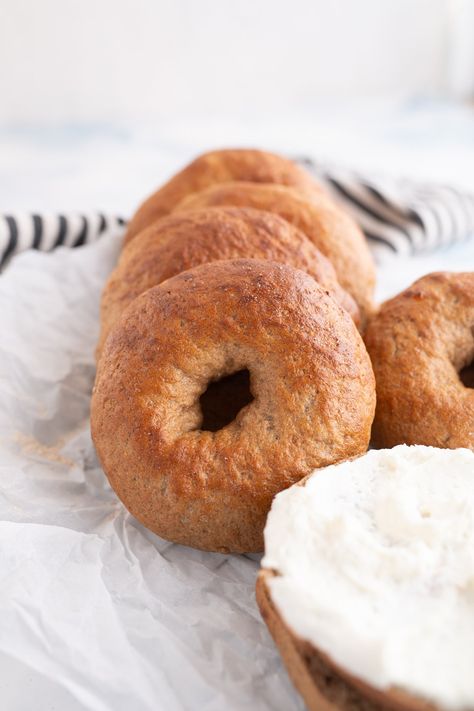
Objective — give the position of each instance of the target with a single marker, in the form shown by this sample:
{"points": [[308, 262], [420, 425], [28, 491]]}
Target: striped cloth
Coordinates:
{"points": [[400, 216], [397, 216], [19, 232]]}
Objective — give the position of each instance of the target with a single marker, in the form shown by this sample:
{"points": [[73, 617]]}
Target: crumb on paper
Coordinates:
{"points": [[29, 445]]}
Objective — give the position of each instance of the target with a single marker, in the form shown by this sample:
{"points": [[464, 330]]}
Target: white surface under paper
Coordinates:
{"points": [[97, 613]]}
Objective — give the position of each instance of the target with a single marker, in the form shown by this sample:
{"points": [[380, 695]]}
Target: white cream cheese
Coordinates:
{"points": [[376, 568]]}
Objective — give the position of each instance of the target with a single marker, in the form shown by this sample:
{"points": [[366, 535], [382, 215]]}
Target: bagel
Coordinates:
{"points": [[180, 242], [367, 582], [219, 167], [421, 344], [333, 232], [297, 363]]}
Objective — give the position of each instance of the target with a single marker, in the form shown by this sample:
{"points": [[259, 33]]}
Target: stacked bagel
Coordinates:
{"points": [[368, 576], [233, 379], [230, 364]]}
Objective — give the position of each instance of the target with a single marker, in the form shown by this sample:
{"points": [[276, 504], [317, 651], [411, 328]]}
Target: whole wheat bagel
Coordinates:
{"points": [[421, 344], [219, 167], [333, 232], [180, 242], [269, 335]]}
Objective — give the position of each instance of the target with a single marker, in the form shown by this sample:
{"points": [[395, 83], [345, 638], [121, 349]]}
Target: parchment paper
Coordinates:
{"points": [[96, 612]]}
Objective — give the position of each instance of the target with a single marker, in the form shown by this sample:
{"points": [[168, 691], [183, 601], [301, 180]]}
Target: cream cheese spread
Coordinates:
{"points": [[376, 568]]}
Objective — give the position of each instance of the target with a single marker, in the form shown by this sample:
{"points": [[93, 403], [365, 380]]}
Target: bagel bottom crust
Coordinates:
{"points": [[323, 685]]}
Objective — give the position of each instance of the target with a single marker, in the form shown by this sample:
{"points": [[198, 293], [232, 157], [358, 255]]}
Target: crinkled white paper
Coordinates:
{"points": [[96, 612]]}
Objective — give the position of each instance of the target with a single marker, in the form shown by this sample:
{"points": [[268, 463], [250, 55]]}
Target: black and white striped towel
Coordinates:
{"points": [[19, 232], [397, 216], [400, 216]]}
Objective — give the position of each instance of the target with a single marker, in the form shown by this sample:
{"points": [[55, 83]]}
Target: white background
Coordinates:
{"points": [[100, 100], [103, 60]]}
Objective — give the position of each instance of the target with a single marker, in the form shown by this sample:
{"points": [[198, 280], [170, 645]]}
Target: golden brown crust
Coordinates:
{"points": [[310, 376], [219, 167], [180, 242], [324, 685], [333, 232], [419, 342]]}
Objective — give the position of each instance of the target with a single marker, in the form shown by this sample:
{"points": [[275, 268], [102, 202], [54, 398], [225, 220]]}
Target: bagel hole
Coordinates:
{"points": [[466, 375], [223, 399]]}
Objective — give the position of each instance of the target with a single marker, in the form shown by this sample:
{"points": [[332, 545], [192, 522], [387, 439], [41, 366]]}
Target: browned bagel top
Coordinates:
{"points": [[330, 229], [182, 241], [218, 167], [419, 342]]}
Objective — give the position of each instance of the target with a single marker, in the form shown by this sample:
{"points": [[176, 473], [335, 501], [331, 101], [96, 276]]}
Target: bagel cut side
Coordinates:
{"points": [[324, 685], [366, 584]]}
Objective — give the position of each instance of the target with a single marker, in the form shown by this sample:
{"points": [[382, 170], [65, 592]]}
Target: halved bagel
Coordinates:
{"points": [[367, 583]]}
